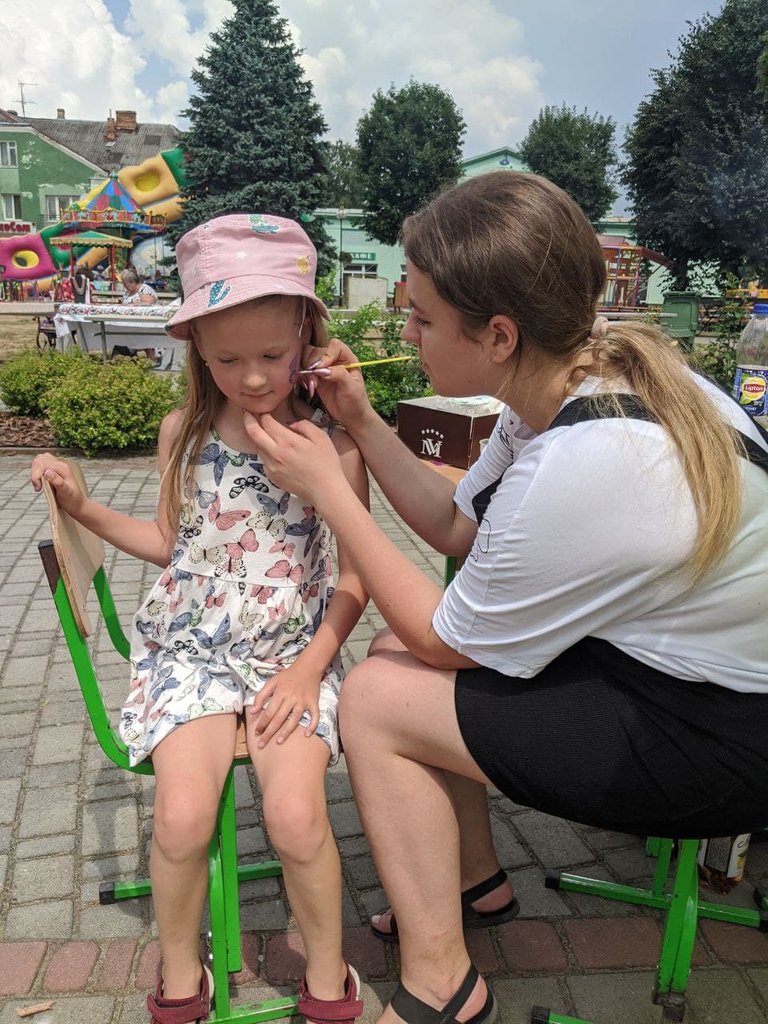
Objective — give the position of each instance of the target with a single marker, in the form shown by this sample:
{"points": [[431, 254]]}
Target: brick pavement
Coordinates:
{"points": [[69, 819]]}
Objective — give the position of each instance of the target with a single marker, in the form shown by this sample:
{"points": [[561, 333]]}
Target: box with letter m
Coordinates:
{"points": [[447, 429]]}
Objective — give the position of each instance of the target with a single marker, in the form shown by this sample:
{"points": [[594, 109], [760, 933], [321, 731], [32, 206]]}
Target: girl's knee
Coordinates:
{"points": [[385, 640], [183, 823], [297, 824]]}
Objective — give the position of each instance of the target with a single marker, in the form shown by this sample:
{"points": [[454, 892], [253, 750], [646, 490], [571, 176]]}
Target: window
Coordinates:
{"points": [[8, 154], [361, 269], [11, 208], [54, 205]]}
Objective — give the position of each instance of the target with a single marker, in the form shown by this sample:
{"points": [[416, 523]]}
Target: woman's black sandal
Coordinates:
{"points": [[415, 1011], [470, 918]]}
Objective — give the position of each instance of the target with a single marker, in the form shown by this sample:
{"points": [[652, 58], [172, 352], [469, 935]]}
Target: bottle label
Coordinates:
{"points": [[750, 390], [725, 855]]}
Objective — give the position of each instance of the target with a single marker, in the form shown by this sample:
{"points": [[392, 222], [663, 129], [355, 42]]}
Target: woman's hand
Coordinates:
{"points": [[301, 458], [59, 475], [342, 391], [282, 702]]}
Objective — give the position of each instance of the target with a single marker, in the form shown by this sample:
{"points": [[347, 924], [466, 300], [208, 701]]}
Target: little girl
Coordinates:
{"points": [[242, 615]]}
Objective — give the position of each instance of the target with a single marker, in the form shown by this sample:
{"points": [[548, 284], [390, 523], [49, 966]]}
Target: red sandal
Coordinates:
{"points": [[334, 1011], [182, 1011]]}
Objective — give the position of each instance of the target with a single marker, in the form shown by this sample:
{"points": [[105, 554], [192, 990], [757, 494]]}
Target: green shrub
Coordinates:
{"points": [[114, 405], [25, 380], [717, 359], [371, 334]]}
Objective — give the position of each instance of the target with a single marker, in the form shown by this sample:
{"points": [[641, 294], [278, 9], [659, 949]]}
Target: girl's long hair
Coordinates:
{"points": [[202, 402], [515, 244]]}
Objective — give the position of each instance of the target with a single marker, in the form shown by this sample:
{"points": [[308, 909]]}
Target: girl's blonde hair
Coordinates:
{"points": [[515, 244], [204, 398]]}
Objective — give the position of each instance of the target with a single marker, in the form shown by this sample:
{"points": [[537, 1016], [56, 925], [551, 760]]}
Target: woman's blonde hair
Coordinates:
{"points": [[204, 398], [515, 244]]}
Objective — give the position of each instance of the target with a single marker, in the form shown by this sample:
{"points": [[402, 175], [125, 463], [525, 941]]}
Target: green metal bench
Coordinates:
{"points": [[73, 562]]}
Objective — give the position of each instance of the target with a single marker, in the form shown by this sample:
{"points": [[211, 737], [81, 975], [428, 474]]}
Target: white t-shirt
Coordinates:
{"points": [[584, 536], [143, 289]]}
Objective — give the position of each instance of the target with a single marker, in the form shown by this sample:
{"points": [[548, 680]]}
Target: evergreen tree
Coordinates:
{"points": [[575, 151], [697, 173], [254, 141], [409, 147], [344, 187]]}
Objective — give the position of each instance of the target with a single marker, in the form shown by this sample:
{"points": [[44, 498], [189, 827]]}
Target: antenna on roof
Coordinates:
{"points": [[24, 101]]}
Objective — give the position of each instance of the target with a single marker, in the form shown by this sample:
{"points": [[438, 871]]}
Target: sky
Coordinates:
{"points": [[501, 60]]}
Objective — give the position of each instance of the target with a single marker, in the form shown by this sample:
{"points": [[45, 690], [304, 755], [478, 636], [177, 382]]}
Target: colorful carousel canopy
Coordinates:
{"points": [[89, 239], [109, 203]]}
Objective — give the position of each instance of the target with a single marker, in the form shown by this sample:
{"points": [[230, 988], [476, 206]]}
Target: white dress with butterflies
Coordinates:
{"points": [[246, 588]]}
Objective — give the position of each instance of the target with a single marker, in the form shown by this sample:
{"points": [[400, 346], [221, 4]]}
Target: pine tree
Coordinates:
{"points": [[254, 141]]}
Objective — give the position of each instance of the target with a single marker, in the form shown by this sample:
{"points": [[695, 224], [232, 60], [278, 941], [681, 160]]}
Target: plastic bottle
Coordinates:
{"points": [[750, 388], [721, 861]]}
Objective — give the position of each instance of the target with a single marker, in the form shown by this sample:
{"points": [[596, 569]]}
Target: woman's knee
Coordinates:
{"points": [[297, 824], [183, 821]]}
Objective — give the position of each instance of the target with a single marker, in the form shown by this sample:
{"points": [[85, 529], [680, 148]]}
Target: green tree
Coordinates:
{"points": [[409, 146], [254, 141], [697, 168], [344, 186], [576, 151]]}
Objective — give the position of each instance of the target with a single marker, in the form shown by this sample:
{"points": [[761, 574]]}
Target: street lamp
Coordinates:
{"points": [[341, 211]]}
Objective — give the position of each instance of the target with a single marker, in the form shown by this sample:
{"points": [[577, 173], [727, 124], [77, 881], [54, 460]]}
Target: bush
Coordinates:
{"points": [[373, 334], [114, 405], [717, 359], [25, 380]]}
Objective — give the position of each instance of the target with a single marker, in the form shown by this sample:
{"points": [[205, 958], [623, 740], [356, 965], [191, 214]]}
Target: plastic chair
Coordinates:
{"points": [[679, 897], [73, 561]]}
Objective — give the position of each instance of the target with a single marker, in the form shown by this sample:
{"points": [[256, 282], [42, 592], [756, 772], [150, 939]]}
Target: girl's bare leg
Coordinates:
{"points": [[292, 780], [191, 765], [401, 737]]}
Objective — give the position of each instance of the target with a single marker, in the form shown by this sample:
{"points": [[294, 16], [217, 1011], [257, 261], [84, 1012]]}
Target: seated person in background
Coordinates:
{"points": [[136, 293], [135, 290]]}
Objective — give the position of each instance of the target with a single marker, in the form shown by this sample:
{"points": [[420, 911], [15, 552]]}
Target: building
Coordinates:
{"points": [[46, 163]]}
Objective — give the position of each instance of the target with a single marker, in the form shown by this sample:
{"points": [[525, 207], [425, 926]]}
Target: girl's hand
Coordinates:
{"points": [[341, 391], [301, 458], [58, 473], [289, 694]]}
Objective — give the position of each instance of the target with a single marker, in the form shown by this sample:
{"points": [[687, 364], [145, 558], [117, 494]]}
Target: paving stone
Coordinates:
{"points": [[109, 826], [48, 776], [18, 724], [3, 869], [13, 763], [531, 946], [534, 898], [23, 671], [517, 997], [50, 920], [43, 879], [720, 996], [148, 966], [344, 819], [614, 942], [9, 798], [46, 812], [554, 842], [67, 1010], [44, 846], [127, 919], [70, 967], [609, 998], [270, 916], [19, 963], [735, 943], [58, 743], [251, 841]]}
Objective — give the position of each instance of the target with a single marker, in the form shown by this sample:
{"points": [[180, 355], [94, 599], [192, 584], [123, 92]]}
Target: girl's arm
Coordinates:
{"points": [[350, 596], [152, 542], [301, 458]]}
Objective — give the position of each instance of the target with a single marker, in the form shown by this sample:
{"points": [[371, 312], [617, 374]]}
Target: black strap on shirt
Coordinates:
{"points": [[588, 408]]}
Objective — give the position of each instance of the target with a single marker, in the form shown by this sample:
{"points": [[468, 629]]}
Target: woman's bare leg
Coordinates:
{"points": [[191, 765], [292, 780], [470, 799], [401, 737]]}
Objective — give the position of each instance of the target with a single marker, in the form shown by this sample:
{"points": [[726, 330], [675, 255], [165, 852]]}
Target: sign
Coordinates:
{"points": [[15, 227], [361, 257], [110, 216]]}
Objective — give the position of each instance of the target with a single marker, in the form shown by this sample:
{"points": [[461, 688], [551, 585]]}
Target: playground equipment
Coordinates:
{"points": [[626, 267], [138, 200]]}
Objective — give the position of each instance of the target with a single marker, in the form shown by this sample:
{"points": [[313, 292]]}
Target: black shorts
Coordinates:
{"points": [[600, 738]]}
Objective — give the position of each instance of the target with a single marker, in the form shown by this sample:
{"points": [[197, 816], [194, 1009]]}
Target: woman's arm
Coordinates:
{"points": [[301, 458], [419, 495], [152, 542]]}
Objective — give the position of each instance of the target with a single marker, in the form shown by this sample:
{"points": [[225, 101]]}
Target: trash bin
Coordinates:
{"points": [[684, 321]]}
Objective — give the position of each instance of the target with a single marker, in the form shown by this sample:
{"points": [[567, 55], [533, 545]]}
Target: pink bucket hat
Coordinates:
{"points": [[238, 257]]}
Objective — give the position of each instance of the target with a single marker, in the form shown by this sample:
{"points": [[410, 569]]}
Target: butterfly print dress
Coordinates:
{"points": [[247, 586]]}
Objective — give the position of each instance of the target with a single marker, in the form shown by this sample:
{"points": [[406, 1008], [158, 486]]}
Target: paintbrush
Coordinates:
{"points": [[368, 362]]}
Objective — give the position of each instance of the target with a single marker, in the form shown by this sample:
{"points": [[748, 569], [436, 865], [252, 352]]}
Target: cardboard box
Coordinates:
{"points": [[448, 429]]}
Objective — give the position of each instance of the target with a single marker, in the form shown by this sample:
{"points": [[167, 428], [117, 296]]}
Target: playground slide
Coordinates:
{"points": [[154, 187]]}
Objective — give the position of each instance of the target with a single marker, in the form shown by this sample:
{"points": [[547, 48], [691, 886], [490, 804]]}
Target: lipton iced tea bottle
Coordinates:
{"points": [[721, 861], [750, 387]]}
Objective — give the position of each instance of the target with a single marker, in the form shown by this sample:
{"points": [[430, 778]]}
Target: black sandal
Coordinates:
{"points": [[416, 1011], [470, 918]]}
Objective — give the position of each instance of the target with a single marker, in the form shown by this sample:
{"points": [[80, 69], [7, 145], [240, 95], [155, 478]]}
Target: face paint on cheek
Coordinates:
{"points": [[293, 373]]}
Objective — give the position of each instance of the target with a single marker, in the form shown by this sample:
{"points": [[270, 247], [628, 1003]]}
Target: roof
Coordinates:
{"points": [[502, 151], [86, 139]]}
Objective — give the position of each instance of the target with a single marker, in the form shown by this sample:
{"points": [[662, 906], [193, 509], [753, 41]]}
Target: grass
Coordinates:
{"points": [[17, 333]]}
